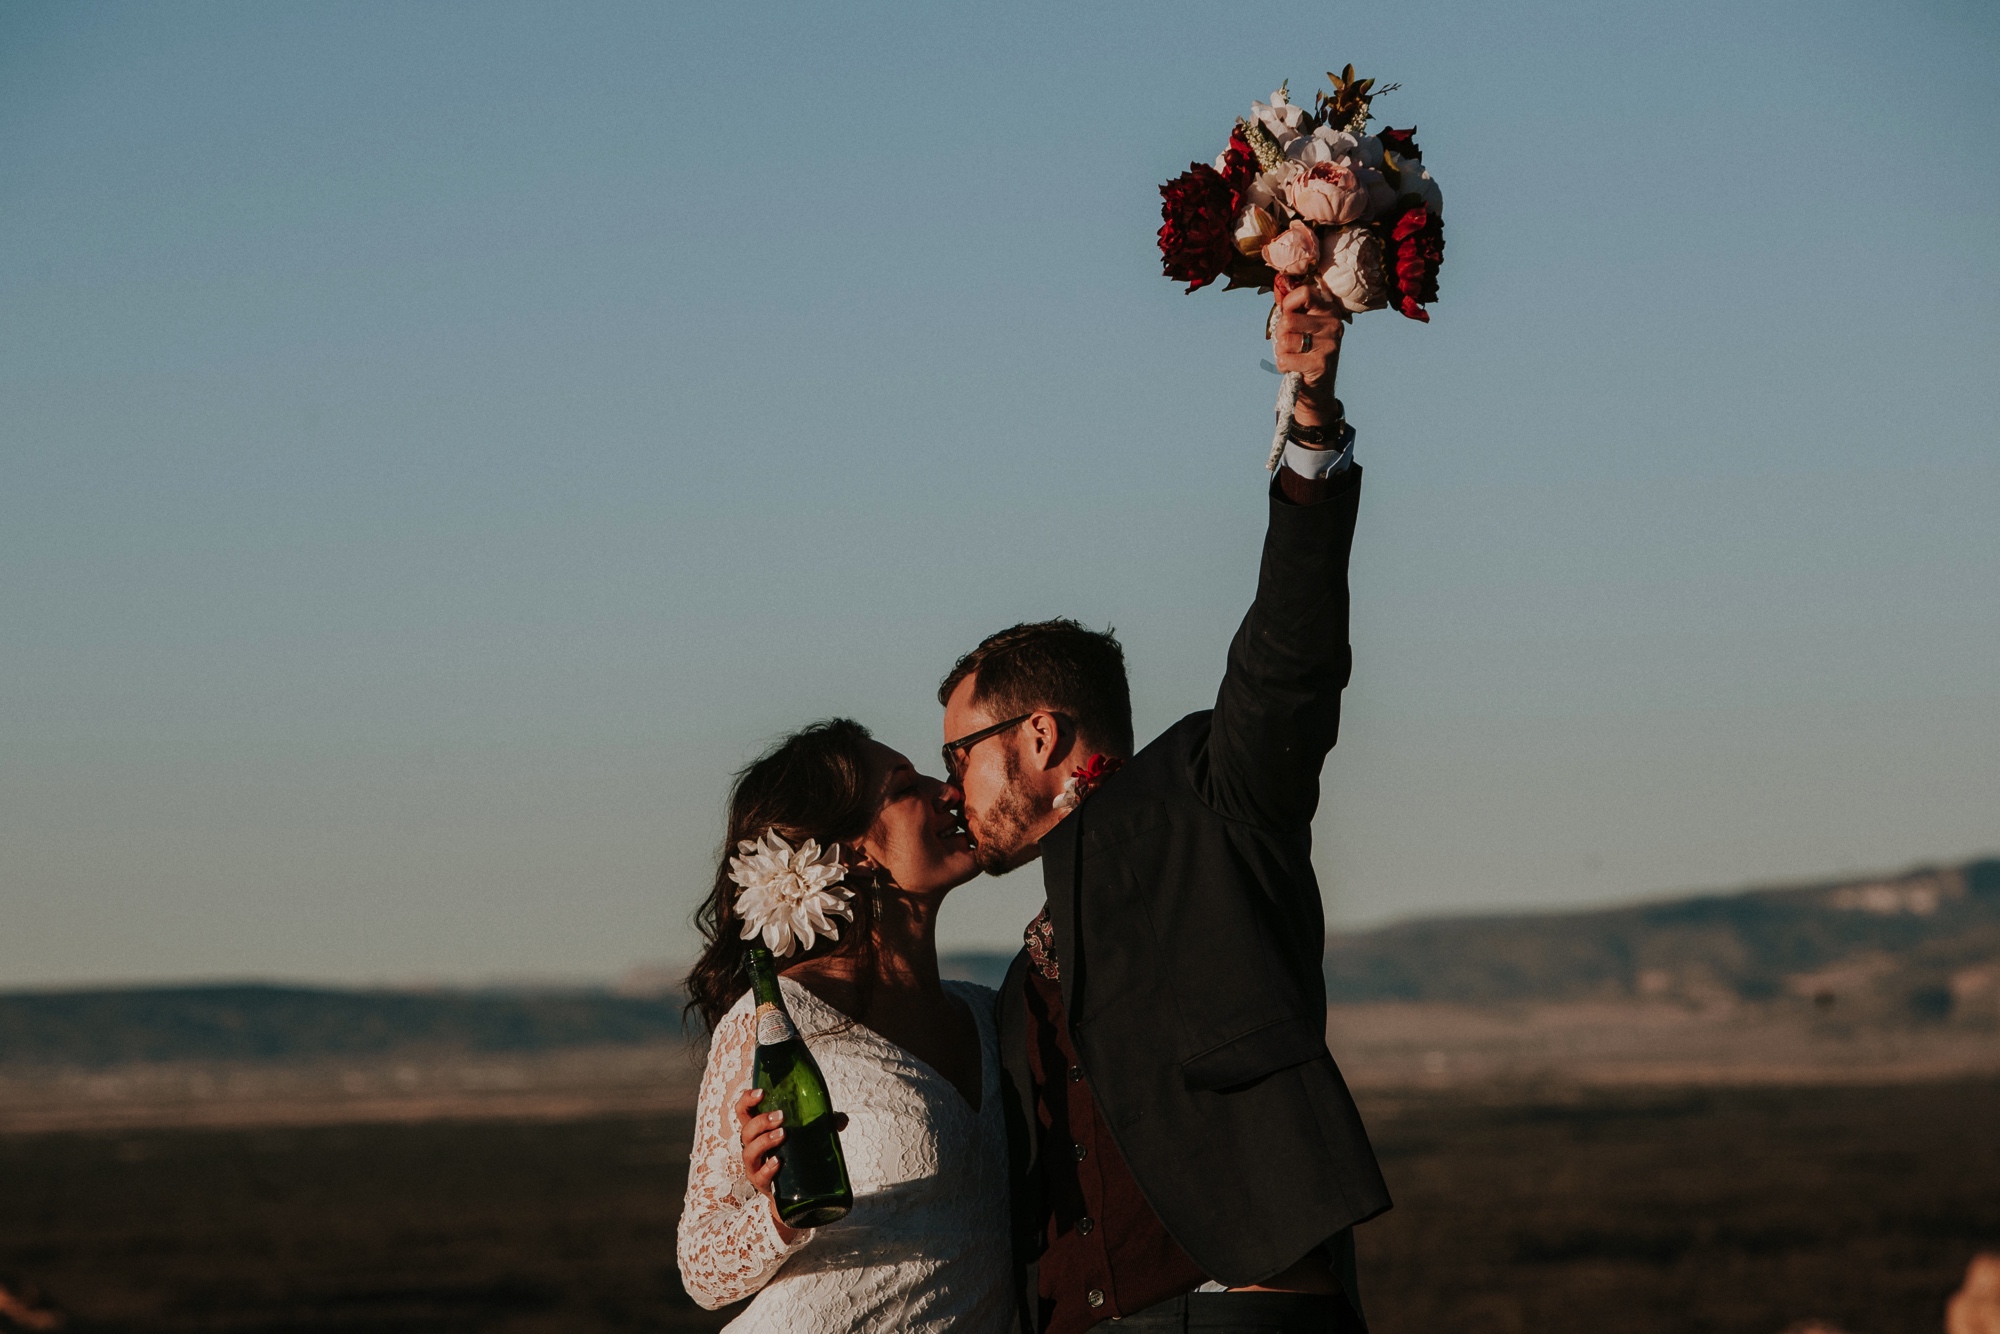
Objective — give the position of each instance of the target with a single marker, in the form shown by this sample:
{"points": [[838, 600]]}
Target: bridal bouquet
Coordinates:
{"points": [[1304, 197]]}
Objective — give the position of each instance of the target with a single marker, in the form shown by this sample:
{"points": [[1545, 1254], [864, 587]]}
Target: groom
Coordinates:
{"points": [[1181, 1133]]}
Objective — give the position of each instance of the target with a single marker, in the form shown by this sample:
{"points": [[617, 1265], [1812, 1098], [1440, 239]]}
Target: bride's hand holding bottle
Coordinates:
{"points": [[761, 1135]]}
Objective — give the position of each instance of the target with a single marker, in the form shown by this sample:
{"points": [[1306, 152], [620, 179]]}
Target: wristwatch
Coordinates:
{"points": [[1323, 435]]}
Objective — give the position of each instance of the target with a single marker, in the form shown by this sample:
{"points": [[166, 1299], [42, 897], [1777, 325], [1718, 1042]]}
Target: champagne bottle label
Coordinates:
{"points": [[773, 1026]]}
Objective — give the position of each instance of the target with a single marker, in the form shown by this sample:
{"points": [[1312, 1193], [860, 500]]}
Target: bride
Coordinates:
{"points": [[913, 1062]]}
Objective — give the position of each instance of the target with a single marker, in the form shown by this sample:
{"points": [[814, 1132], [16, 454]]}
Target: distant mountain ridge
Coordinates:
{"points": [[255, 1022], [1926, 941], [1919, 947]]}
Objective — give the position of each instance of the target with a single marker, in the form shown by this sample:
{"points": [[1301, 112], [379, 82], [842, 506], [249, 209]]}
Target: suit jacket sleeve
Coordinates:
{"points": [[1278, 711]]}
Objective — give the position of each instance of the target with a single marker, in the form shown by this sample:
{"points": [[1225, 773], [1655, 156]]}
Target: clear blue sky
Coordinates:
{"points": [[439, 443]]}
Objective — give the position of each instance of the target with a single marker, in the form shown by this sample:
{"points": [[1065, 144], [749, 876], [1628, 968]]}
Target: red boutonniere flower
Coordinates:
{"points": [[1040, 937], [1082, 782]]}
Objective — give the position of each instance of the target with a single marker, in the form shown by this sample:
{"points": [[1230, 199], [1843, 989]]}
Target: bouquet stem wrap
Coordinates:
{"points": [[1288, 394]]}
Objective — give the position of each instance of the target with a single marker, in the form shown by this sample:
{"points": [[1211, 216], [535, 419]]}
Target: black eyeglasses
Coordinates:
{"points": [[955, 751]]}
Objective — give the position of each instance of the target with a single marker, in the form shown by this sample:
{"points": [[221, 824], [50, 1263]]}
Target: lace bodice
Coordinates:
{"points": [[925, 1247]]}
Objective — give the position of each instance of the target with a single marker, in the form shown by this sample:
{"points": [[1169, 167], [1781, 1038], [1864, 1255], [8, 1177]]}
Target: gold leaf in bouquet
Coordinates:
{"points": [[1349, 106]]}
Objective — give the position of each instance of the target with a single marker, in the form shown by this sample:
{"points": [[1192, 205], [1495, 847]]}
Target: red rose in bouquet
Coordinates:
{"points": [[1198, 219], [1403, 143], [1199, 216], [1239, 164], [1416, 249]]}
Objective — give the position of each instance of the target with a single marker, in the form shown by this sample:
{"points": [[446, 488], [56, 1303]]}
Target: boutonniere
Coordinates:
{"points": [[1082, 782]]}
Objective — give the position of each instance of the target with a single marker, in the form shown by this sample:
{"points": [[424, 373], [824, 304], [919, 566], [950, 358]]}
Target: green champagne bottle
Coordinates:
{"points": [[811, 1188]]}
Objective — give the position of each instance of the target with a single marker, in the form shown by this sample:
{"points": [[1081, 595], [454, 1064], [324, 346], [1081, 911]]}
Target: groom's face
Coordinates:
{"points": [[1001, 807]]}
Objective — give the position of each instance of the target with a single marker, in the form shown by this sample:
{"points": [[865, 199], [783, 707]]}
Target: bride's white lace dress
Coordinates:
{"points": [[925, 1247]]}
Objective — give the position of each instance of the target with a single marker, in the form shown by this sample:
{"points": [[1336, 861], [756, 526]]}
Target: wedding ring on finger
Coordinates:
{"points": [[1305, 342]]}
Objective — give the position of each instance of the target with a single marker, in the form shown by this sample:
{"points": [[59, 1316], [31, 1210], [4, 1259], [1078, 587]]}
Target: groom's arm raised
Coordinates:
{"points": [[1278, 711]]}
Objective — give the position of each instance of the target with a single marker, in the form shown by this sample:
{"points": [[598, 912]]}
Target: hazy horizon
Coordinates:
{"points": [[438, 446], [651, 976]]}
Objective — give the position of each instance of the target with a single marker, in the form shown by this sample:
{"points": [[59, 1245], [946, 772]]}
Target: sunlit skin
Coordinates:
{"points": [[1007, 816], [917, 839], [1302, 311]]}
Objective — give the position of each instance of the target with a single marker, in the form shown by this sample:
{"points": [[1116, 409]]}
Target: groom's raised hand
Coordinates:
{"points": [[1306, 337]]}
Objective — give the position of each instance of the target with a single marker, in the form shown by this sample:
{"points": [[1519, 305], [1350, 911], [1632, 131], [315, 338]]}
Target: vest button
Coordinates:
{"points": [[1081, 1153], [1083, 1227], [1076, 1074], [1095, 1297]]}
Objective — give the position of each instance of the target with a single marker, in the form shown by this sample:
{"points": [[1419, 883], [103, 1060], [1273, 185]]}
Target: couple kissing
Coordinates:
{"points": [[1143, 1127]]}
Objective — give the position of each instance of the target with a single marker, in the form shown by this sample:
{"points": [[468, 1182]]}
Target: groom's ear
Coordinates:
{"points": [[1046, 740]]}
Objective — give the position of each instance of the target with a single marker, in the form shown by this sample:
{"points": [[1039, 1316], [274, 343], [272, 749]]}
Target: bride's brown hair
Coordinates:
{"points": [[813, 784]]}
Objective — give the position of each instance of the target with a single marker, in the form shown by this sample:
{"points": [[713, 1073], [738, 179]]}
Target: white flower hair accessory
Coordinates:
{"points": [[787, 896]]}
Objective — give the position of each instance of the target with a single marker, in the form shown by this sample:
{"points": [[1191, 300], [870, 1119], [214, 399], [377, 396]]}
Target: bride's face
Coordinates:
{"points": [[916, 837]]}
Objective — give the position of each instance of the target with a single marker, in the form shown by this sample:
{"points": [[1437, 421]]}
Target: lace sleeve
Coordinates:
{"points": [[729, 1244]]}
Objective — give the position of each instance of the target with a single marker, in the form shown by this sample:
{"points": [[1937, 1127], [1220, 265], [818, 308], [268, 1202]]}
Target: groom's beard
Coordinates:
{"points": [[1003, 829]]}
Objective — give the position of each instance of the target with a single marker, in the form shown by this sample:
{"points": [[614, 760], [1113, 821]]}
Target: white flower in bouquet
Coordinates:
{"points": [[1382, 196], [1255, 229], [1350, 269], [1407, 176], [1327, 144], [787, 895], [1267, 191], [1309, 150], [1280, 119]]}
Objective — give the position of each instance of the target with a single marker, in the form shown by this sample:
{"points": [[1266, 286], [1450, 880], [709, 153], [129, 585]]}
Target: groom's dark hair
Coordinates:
{"points": [[1057, 665]]}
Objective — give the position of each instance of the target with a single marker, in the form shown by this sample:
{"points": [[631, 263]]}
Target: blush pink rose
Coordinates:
{"points": [[1328, 193], [1294, 250]]}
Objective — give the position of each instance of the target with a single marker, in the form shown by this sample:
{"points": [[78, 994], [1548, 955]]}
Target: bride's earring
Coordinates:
{"points": [[866, 870]]}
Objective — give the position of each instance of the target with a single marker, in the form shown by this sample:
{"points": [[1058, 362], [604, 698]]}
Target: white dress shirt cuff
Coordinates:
{"points": [[1319, 464]]}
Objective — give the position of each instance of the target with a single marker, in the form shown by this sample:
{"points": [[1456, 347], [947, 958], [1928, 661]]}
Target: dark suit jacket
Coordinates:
{"points": [[1189, 931]]}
